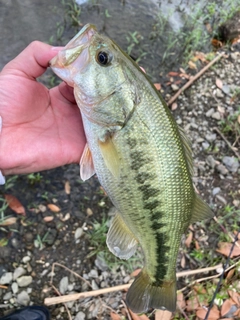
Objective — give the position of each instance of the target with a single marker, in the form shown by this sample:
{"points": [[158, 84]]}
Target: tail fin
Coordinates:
{"points": [[144, 295]]}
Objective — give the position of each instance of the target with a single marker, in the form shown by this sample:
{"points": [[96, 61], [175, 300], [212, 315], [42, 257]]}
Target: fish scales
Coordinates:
{"points": [[141, 158]]}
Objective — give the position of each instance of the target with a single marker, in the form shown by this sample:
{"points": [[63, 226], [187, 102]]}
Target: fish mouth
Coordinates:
{"points": [[75, 53]]}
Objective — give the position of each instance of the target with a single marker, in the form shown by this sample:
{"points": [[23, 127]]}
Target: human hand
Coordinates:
{"points": [[41, 128]]}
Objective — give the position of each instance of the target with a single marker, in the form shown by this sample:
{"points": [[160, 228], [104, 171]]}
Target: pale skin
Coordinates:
{"points": [[41, 128]]}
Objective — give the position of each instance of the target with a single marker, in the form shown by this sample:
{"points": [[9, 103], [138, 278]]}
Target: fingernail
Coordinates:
{"points": [[57, 48], [2, 178]]}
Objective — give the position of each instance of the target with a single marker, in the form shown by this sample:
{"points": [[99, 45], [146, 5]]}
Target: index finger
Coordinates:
{"points": [[33, 60]]}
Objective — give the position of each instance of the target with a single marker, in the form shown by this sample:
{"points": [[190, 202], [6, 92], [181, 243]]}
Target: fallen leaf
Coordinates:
{"points": [[225, 248], [173, 74], [192, 65], [230, 274], [183, 261], [214, 313], [137, 317], [219, 83], [158, 86], [184, 75], [197, 246], [188, 241], [174, 106], [163, 315], [216, 43], [8, 222], [226, 306], [182, 70], [15, 204], [115, 316], [180, 300], [53, 207], [48, 218], [234, 296], [67, 187]]}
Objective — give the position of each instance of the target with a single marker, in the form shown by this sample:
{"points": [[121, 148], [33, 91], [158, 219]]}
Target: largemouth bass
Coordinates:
{"points": [[141, 157]]}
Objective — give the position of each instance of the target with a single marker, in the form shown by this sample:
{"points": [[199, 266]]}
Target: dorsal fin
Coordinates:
{"points": [[187, 148]]}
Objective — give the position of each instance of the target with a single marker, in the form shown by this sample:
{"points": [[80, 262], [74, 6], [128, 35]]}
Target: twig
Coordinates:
{"points": [[76, 274], [3, 287], [83, 295], [126, 308], [56, 290], [192, 79], [227, 142], [221, 277]]}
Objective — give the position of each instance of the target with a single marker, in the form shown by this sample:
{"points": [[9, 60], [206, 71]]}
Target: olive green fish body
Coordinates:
{"points": [[141, 159]]}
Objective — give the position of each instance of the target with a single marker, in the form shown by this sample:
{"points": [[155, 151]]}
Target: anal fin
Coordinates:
{"points": [[120, 240], [201, 210]]}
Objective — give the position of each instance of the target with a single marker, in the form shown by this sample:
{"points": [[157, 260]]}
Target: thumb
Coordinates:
{"points": [[33, 60]]}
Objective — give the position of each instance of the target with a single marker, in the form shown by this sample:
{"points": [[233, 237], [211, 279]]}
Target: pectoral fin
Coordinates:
{"points": [[86, 164], [201, 210], [110, 156], [120, 240]]}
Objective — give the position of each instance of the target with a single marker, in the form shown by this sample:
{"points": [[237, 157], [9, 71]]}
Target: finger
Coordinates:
{"points": [[33, 60], [67, 92]]}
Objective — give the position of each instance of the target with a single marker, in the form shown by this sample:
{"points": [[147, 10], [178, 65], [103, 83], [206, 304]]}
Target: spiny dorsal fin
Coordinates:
{"points": [[110, 156], [201, 210], [86, 164], [187, 148], [120, 240]]}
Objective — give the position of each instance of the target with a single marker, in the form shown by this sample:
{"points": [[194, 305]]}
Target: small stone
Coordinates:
{"points": [[219, 93], [24, 281], [174, 87], [216, 115], [210, 112], [221, 199], [26, 259], [14, 287], [236, 203], [216, 191], [231, 163], [6, 278], [78, 233], [94, 285], [42, 208], [222, 169], [80, 316], [211, 137], [205, 145], [93, 274], [211, 161], [7, 296], [233, 55], [63, 285], [18, 272], [23, 298]]}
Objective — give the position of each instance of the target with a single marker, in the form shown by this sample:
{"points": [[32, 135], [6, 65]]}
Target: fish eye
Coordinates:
{"points": [[103, 58]]}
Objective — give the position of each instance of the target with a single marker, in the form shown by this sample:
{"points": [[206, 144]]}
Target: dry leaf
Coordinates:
{"points": [[157, 86], [48, 218], [234, 296], [184, 75], [192, 65], [197, 246], [137, 317], [219, 83], [89, 212], [189, 239], [230, 274], [115, 316], [180, 300], [15, 204], [67, 187], [173, 74], [226, 306], [213, 315], [53, 207], [183, 261], [174, 106], [182, 70], [225, 247], [8, 222], [163, 315]]}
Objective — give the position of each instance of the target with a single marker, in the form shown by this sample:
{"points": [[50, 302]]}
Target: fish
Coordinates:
{"points": [[142, 159]]}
